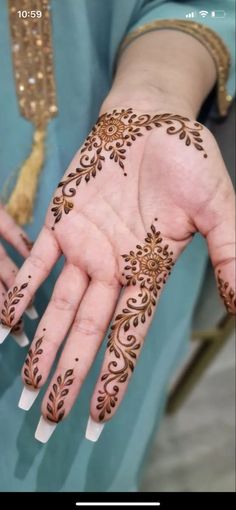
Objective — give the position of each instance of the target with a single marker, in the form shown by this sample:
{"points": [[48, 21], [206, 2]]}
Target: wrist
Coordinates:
{"points": [[147, 98], [163, 71]]}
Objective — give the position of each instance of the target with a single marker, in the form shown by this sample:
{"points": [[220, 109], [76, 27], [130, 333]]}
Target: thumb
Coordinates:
{"points": [[220, 236]]}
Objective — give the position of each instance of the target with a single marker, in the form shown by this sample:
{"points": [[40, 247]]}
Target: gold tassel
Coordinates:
{"points": [[21, 201]]}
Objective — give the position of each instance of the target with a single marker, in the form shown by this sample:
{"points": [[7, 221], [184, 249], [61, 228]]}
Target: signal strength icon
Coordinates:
{"points": [[190, 15], [203, 14]]}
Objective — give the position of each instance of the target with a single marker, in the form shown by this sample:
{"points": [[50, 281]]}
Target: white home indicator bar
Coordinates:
{"points": [[153, 503]]}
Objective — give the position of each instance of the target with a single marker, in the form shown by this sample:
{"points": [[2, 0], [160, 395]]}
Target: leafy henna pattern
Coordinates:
{"points": [[55, 411], [113, 134], [13, 298], [147, 268], [227, 294], [32, 377]]}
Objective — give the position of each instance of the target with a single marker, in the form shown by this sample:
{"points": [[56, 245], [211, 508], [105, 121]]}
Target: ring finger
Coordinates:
{"points": [[51, 331]]}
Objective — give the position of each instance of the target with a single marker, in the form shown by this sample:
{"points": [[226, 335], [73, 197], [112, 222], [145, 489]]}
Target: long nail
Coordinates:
{"points": [[94, 429], [21, 339], [31, 312], [27, 398], [4, 332], [44, 430]]}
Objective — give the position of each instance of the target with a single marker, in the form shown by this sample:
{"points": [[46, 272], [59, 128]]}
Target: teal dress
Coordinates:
{"points": [[86, 36]]}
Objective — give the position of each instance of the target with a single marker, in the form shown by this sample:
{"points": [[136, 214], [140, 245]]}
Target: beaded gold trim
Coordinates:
{"points": [[210, 39], [33, 60]]}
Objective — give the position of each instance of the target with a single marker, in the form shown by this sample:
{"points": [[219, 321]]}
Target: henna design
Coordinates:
{"points": [[56, 397], [227, 294], [31, 371], [18, 328], [13, 298], [114, 133], [148, 268], [29, 244]]}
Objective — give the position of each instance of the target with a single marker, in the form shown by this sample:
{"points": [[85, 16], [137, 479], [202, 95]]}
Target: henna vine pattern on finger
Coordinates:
{"points": [[13, 298], [227, 294], [55, 411], [147, 268], [32, 376], [113, 134], [29, 244]]}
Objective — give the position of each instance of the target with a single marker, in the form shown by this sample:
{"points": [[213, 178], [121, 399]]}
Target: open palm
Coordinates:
{"points": [[130, 202]]}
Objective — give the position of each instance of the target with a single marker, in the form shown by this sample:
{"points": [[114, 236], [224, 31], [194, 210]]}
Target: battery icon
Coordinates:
{"points": [[217, 14]]}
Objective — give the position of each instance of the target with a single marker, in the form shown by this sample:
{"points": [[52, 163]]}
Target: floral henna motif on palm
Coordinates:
{"points": [[148, 269], [13, 298], [227, 294], [32, 377], [55, 405], [114, 133]]}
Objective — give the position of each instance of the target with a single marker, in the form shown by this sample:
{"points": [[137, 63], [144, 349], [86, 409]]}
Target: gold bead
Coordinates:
{"points": [[53, 108]]}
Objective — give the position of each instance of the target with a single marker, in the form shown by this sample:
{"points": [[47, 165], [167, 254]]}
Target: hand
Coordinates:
{"points": [[130, 202], [16, 237]]}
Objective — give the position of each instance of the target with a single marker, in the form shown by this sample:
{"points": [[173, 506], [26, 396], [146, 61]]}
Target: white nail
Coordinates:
{"points": [[4, 331], [93, 430], [31, 312], [27, 398], [21, 339], [44, 430]]}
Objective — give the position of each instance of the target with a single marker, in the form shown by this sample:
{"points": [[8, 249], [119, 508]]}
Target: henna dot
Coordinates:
{"points": [[155, 219], [205, 156], [76, 359], [29, 275], [44, 329], [125, 175], [52, 228]]}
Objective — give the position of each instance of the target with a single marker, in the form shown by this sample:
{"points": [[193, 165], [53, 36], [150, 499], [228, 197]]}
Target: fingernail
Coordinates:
{"points": [[44, 430], [27, 398], [21, 339], [94, 429], [31, 312], [4, 331]]}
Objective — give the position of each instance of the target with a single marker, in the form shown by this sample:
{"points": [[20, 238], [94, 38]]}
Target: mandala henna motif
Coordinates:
{"points": [[32, 377], [113, 134], [55, 411], [148, 269], [227, 294], [13, 298]]}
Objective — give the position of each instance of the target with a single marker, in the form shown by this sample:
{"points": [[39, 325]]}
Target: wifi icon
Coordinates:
{"points": [[203, 14]]}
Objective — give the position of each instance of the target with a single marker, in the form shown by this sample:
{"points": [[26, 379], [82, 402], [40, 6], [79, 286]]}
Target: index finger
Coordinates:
{"points": [[34, 271]]}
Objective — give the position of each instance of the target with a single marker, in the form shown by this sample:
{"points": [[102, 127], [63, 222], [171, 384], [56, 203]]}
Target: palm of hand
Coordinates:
{"points": [[163, 176]]}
